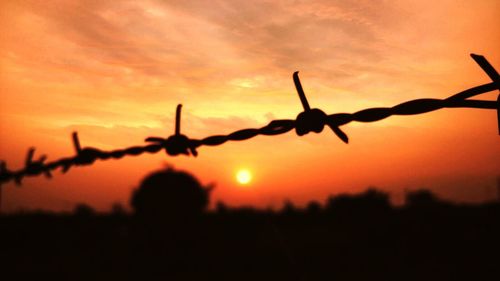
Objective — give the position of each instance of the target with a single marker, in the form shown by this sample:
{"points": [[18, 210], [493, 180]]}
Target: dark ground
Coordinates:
{"points": [[350, 238]]}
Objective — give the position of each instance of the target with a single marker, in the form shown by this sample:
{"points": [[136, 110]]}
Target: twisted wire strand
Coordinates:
{"points": [[180, 143], [420, 106]]}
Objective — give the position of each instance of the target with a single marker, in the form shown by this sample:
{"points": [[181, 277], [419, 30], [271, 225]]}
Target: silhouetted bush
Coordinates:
{"points": [[83, 210], [118, 210], [289, 208], [313, 207], [370, 200], [421, 198], [170, 194], [221, 208]]}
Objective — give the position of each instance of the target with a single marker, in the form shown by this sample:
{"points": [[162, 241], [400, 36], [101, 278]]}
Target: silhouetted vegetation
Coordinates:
{"points": [[172, 236], [170, 195], [84, 210]]}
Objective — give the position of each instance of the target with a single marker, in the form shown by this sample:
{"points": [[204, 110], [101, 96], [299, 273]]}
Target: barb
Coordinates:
{"points": [[313, 120], [177, 143], [493, 74], [310, 120]]}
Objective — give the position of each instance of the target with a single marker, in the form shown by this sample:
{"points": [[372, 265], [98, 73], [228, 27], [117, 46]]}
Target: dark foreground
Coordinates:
{"points": [[347, 241]]}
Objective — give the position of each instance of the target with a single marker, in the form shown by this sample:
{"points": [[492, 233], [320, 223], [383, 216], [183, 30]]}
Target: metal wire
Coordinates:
{"points": [[310, 120]]}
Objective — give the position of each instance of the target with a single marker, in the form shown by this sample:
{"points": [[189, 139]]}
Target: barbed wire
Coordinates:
{"points": [[310, 120]]}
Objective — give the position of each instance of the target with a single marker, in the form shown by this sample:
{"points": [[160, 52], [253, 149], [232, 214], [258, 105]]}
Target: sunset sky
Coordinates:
{"points": [[115, 70]]}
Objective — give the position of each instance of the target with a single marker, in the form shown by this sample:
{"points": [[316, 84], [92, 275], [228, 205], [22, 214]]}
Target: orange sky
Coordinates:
{"points": [[115, 72]]}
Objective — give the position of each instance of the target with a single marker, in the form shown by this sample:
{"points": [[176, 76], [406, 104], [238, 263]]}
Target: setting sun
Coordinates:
{"points": [[243, 176]]}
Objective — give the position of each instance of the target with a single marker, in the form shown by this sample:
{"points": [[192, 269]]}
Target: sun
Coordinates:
{"points": [[244, 176]]}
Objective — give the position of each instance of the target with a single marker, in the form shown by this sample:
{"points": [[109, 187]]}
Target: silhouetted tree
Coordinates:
{"points": [[170, 195]]}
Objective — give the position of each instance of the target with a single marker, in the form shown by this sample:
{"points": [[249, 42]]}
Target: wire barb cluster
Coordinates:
{"points": [[310, 120]]}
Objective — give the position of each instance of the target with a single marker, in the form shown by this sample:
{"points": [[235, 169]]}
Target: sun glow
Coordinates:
{"points": [[244, 176]]}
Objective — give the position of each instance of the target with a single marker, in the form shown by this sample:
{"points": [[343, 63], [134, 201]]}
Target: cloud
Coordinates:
{"points": [[205, 42], [281, 34]]}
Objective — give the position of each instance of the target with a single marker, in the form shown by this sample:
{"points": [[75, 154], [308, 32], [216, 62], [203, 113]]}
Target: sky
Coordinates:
{"points": [[115, 70]]}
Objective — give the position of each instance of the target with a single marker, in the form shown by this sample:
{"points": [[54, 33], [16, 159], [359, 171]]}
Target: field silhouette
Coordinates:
{"points": [[171, 235]]}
